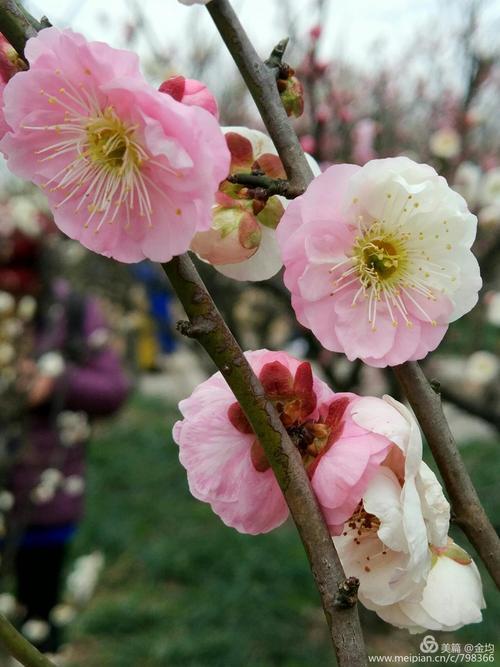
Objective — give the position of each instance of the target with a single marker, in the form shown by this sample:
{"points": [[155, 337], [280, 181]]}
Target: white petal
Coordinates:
{"points": [[453, 596], [263, 265], [261, 142], [435, 507]]}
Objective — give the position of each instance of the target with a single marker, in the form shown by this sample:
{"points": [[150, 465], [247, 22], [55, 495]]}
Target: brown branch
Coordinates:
{"points": [[267, 186], [467, 508], [338, 596], [20, 647], [260, 81], [275, 60], [17, 25]]}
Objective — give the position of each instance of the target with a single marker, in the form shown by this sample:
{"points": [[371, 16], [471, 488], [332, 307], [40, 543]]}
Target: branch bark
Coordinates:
{"points": [[17, 25], [208, 327], [20, 647], [467, 508], [266, 185], [261, 83]]}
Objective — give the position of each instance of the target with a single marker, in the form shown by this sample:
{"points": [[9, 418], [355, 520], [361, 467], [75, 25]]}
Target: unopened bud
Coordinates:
{"points": [[292, 96], [190, 92], [234, 237]]}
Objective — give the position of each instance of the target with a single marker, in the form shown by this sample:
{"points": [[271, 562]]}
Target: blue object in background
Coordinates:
{"points": [[160, 300]]}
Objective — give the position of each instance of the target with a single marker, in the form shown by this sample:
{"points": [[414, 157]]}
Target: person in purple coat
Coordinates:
{"points": [[68, 376]]}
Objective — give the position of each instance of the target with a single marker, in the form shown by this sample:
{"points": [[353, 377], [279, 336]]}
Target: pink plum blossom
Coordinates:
{"points": [[3, 125], [128, 171], [191, 92], [364, 133], [378, 261], [411, 574], [227, 467]]}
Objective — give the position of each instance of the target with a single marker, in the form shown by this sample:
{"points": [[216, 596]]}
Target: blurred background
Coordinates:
{"points": [[149, 575]]}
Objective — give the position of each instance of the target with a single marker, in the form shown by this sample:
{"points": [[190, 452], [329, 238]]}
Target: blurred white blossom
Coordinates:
{"points": [[445, 143], [7, 303], [74, 485], [482, 367], [8, 604], [489, 216], [490, 187], [26, 307], [62, 614], [493, 309], [35, 630], [82, 580], [6, 501], [51, 364], [467, 180]]}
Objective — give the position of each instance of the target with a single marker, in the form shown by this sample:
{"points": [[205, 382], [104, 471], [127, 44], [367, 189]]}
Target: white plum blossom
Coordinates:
{"points": [[51, 364], [489, 216], [445, 143], [51, 476], [493, 310], [36, 630], [7, 354], [62, 614], [74, 427], [7, 303], [6, 501], [24, 215], [8, 604], [74, 485], [26, 308], [490, 187], [452, 597], [482, 368], [467, 181], [82, 580], [386, 542]]}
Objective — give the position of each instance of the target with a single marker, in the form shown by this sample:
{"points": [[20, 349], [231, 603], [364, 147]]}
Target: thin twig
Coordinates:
{"points": [[261, 82], [467, 508], [20, 647], [17, 25], [267, 185]]}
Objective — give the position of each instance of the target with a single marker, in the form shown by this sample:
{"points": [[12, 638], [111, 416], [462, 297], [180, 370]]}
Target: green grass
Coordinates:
{"points": [[182, 589]]}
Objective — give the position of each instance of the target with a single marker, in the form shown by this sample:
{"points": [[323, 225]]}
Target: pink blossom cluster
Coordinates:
{"points": [[384, 507]]}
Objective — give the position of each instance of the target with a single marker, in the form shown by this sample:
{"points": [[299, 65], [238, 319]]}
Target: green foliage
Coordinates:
{"points": [[180, 588]]}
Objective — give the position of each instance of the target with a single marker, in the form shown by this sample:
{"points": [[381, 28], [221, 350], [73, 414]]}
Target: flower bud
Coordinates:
{"points": [[234, 237], [292, 95], [190, 92]]}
